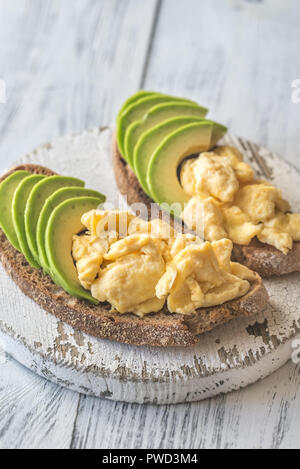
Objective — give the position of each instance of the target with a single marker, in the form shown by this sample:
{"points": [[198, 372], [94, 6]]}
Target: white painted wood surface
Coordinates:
{"points": [[67, 69], [38, 414]]}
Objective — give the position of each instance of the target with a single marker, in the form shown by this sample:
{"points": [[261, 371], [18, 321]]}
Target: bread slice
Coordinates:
{"points": [[157, 329], [267, 260], [264, 259]]}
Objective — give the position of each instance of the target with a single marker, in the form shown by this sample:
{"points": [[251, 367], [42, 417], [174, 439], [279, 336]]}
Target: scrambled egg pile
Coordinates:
{"points": [[228, 202], [137, 266]]}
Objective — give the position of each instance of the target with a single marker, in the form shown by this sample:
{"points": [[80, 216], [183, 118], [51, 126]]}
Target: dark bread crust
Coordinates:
{"points": [[157, 329], [267, 260], [127, 181], [264, 259]]}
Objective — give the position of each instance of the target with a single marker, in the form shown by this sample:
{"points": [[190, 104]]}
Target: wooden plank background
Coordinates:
{"points": [[67, 68]]}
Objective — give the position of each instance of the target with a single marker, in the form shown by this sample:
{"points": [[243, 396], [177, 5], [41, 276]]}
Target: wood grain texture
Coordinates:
{"points": [[237, 56], [67, 68], [37, 414]]}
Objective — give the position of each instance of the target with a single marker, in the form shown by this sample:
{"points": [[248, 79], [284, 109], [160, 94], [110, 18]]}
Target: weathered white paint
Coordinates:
{"points": [[227, 358], [35, 413], [67, 67], [237, 57]]}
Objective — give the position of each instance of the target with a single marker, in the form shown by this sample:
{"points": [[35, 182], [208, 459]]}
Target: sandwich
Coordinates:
{"points": [[166, 152], [112, 274]]}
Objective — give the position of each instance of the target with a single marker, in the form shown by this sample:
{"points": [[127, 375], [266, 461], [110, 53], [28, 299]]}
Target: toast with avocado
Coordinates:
{"points": [[151, 171], [46, 272], [264, 259]]}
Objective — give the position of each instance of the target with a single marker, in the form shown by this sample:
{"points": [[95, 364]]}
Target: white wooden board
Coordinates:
{"points": [[227, 358]]}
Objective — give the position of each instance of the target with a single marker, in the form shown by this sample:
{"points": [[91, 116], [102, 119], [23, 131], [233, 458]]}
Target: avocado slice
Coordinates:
{"points": [[150, 141], [18, 208], [158, 114], [38, 196], [7, 190], [51, 203], [163, 180], [63, 224], [136, 111], [218, 132], [140, 94]]}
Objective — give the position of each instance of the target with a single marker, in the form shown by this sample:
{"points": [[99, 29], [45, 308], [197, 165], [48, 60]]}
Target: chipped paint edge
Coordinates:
{"points": [[142, 392]]}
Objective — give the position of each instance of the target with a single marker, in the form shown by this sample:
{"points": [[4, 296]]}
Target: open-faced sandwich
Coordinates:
{"points": [[164, 150], [112, 274]]}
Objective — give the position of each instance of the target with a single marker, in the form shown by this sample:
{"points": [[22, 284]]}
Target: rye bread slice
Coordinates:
{"points": [[157, 329], [264, 259]]}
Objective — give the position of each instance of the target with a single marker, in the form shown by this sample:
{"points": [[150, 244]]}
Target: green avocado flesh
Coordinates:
{"points": [[136, 111], [18, 208], [51, 203], [63, 224], [140, 94], [7, 190], [38, 196], [150, 141], [163, 180], [158, 114], [218, 132], [155, 132]]}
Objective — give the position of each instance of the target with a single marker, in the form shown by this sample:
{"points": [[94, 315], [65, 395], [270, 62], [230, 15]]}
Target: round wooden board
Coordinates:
{"points": [[227, 358]]}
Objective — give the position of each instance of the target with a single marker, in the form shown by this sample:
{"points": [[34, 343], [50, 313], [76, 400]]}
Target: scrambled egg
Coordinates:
{"points": [[196, 278], [138, 266], [228, 202]]}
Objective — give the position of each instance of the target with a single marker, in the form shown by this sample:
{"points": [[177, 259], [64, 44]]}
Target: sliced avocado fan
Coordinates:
{"points": [[136, 111], [158, 114], [21, 195], [63, 224], [38, 196], [150, 141], [51, 203], [7, 190], [163, 180]]}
